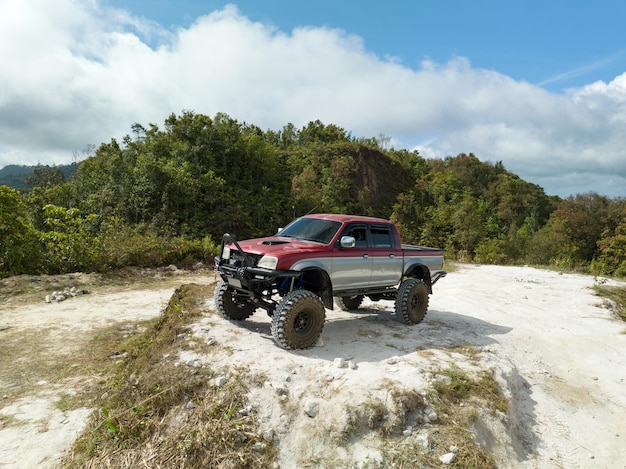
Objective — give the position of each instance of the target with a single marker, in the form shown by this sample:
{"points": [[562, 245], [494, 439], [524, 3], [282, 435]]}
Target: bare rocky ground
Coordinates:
{"points": [[557, 354]]}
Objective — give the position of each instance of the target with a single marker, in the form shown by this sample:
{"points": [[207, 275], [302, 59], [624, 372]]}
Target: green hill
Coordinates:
{"points": [[15, 176]]}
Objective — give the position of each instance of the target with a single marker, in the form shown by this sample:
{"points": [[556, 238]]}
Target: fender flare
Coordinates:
{"points": [[421, 272], [316, 279]]}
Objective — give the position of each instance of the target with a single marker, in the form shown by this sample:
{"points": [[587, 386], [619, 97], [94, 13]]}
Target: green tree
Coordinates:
{"points": [[305, 191], [69, 240], [553, 244], [44, 176], [579, 222], [468, 221], [317, 132], [19, 246], [612, 247], [612, 259]]}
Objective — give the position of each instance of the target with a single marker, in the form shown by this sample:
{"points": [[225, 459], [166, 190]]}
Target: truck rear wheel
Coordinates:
{"points": [[348, 303], [412, 301], [229, 306], [298, 320]]}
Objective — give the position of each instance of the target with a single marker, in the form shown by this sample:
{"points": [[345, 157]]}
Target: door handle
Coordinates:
{"points": [[392, 256], [366, 256]]}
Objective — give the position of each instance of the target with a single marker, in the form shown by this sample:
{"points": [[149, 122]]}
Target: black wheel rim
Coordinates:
{"points": [[414, 302], [301, 322]]}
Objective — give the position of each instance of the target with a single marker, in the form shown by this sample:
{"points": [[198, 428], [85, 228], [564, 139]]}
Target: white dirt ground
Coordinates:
{"points": [[558, 355]]}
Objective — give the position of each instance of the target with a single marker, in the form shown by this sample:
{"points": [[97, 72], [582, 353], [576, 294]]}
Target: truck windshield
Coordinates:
{"points": [[311, 229]]}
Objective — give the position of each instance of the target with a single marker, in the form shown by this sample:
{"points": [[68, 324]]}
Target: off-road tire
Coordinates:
{"points": [[227, 304], [298, 320], [412, 301], [349, 303]]}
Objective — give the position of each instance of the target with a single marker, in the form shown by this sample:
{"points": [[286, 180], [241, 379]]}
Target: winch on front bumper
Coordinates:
{"points": [[239, 269]]}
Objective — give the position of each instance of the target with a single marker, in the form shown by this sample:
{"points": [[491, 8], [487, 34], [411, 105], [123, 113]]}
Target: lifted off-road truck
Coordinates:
{"points": [[295, 274]]}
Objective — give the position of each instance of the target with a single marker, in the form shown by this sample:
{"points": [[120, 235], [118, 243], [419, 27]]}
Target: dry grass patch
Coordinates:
{"points": [[408, 439], [154, 410], [26, 360], [615, 299], [457, 386], [34, 288], [455, 398], [34, 357]]}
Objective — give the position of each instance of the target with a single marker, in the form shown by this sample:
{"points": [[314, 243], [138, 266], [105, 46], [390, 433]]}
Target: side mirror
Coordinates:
{"points": [[347, 242]]}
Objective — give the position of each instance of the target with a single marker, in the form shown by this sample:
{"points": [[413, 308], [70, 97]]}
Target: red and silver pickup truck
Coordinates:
{"points": [[295, 274]]}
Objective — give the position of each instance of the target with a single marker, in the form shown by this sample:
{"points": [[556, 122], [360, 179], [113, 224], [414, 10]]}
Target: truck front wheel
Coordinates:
{"points": [[298, 320], [412, 301], [229, 306]]}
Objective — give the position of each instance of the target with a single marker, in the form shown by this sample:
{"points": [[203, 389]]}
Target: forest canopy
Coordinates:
{"points": [[167, 194]]}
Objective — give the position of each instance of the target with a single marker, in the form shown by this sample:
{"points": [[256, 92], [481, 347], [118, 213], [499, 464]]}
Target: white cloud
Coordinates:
{"points": [[76, 72]]}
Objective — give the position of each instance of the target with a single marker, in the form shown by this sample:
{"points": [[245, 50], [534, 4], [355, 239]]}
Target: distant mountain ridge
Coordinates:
{"points": [[15, 175]]}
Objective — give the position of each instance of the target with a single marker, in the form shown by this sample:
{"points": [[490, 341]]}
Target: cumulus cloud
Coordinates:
{"points": [[76, 72]]}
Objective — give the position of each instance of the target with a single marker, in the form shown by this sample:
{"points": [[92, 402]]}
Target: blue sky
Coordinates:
{"points": [[538, 85], [555, 44]]}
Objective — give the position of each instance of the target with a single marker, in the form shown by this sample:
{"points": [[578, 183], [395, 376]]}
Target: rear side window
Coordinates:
{"points": [[381, 236]]}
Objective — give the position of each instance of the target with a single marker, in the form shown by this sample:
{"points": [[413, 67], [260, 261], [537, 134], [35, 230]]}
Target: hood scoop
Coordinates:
{"points": [[274, 242]]}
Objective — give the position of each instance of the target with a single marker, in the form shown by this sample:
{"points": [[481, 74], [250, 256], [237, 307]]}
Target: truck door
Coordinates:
{"points": [[352, 267], [386, 257]]}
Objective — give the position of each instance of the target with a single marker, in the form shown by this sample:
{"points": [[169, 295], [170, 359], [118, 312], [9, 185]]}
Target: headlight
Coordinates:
{"points": [[226, 253], [268, 262]]}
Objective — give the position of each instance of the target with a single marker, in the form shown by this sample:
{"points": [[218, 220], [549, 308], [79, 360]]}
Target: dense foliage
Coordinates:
{"points": [[167, 195]]}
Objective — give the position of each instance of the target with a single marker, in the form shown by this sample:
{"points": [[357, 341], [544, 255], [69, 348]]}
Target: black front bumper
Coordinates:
{"points": [[254, 279]]}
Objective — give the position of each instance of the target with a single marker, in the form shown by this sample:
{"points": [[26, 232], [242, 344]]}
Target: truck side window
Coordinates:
{"points": [[359, 233], [381, 236]]}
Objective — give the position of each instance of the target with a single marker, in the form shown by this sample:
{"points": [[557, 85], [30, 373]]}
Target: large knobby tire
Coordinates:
{"points": [[349, 303], [298, 320], [412, 301], [227, 304]]}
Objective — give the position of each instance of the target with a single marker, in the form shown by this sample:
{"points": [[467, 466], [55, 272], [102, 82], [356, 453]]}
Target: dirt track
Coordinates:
{"points": [[559, 357]]}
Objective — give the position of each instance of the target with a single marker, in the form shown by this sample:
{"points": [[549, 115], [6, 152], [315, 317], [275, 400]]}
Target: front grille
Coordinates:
{"points": [[237, 260]]}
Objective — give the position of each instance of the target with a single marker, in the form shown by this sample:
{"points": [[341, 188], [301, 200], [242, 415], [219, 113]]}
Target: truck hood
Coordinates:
{"points": [[277, 246]]}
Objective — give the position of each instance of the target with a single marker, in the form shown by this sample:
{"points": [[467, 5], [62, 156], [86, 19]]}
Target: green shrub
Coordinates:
{"points": [[123, 245]]}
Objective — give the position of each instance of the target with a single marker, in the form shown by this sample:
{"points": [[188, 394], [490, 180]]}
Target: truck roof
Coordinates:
{"points": [[347, 218]]}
